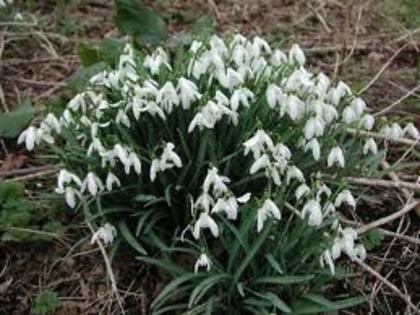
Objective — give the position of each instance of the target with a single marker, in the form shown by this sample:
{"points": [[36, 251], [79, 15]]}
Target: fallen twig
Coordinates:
{"points": [[383, 137], [386, 282], [383, 183], [388, 108]]}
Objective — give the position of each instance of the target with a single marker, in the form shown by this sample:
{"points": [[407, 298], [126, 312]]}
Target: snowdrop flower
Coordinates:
{"points": [[314, 127], [262, 162], [345, 197], [105, 234], [278, 58], [258, 143], [188, 92], [51, 123], [156, 60], [345, 243], [30, 137], [393, 132], [111, 179], [367, 122], [154, 169], [323, 190], [65, 177], [229, 206], [205, 221], [92, 184], [322, 85], [349, 115], [314, 146], [122, 118], [70, 196], [295, 107], [359, 106], [202, 261], [411, 131], [294, 172], [195, 46], [301, 191], [337, 93], [268, 210], [135, 162], [297, 55], [201, 121], [370, 146], [258, 45], [275, 97], [218, 182], [336, 157], [229, 79], [167, 97], [169, 158], [240, 97], [313, 208]]}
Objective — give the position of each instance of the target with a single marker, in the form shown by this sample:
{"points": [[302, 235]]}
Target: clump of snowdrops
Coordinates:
{"points": [[223, 164]]}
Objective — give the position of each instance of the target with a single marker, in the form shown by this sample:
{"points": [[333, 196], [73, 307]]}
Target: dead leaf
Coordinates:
{"points": [[13, 162]]}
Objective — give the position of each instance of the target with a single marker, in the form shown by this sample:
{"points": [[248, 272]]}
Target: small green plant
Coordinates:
{"points": [[224, 164], [46, 303]]}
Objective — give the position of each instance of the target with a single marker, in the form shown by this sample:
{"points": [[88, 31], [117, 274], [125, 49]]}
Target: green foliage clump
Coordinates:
{"points": [[46, 303]]}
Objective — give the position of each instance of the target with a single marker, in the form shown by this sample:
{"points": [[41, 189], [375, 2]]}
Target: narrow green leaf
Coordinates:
{"points": [[12, 123], [130, 238], [284, 279]]}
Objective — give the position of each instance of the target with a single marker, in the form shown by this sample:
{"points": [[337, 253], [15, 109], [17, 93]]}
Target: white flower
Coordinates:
{"points": [[268, 210], [257, 143], [349, 115], [70, 196], [92, 184], [135, 162], [111, 179], [294, 172], [275, 96], [393, 132], [345, 197], [205, 221], [64, 178], [202, 261], [322, 85], [297, 55], [169, 158], [345, 243], [278, 58], [188, 92], [213, 179], [30, 137], [411, 131], [167, 97], [195, 46], [336, 157], [51, 123], [323, 190], [370, 146], [156, 60], [106, 234], [258, 45], [240, 97], [359, 106], [314, 146], [229, 79], [313, 208], [301, 191], [244, 198], [314, 127], [229, 206], [337, 93], [295, 107], [122, 118], [154, 169], [218, 45], [367, 122], [262, 162]]}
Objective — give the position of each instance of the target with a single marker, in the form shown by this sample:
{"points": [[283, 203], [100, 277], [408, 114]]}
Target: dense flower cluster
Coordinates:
{"points": [[222, 84]]}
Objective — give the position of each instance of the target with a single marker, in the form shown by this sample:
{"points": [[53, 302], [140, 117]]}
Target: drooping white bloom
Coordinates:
{"points": [[259, 45], [294, 172], [359, 106], [295, 107], [135, 162], [278, 58], [169, 158], [215, 181], [156, 60], [297, 55], [268, 210], [51, 123], [367, 122], [275, 97], [314, 146], [112, 180], [229, 79], [345, 197], [205, 221], [227, 205], [167, 97], [370, 146], [202, 261], [105, 234], [349, 115], [195, 46], [322, 85], [323, 190], [262, 162], [336, 157], [411, 131], [244, 198], [337, 93], [188, 92], [301, 191], [218, 45], [344, 243], [240, 96], [122, 118], [154, 169], [64, 178], [258, 143], [313, 209], [70, 196], [393, 132], [92, 184], [314, 127], [30, 137]]}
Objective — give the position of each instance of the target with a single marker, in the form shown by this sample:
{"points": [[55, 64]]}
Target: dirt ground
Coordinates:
{"points": [[364, 43]]}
